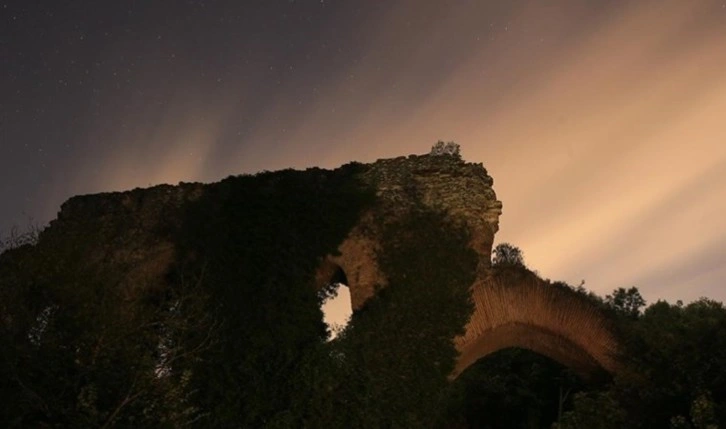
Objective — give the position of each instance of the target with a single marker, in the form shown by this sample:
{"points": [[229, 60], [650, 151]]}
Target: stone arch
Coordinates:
{"points": [[336, 309], [528, 312], [329, 272], [513, 306], [356, 259]]}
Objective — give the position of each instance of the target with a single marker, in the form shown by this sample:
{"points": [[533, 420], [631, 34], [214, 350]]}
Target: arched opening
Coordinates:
{"points": [[513, 387], [336, 302], [521, 310], [337, 310], [536, 339]]}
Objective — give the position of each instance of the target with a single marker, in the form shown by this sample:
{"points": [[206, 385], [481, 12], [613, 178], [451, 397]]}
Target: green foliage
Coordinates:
{"points": [[595, 410], [627, 303], [507, 255], [677, 353], [16, 238], [702, 415], [400, 349], [703, 412], [236, 339], [672, 375], [512, 388], [673, 370], [80, 348], [449, 148], [259, 240], [75, 352], [389, 367]]}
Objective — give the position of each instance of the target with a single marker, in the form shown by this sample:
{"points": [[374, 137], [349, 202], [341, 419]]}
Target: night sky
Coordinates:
{"points": [[603, 122]]}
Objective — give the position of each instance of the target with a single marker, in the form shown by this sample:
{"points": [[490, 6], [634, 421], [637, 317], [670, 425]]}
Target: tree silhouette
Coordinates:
{"points": [[626, 302], [505, 254]]}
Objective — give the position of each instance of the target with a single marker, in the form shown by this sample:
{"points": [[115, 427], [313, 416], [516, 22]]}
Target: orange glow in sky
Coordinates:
{"points": [[603, 125]]}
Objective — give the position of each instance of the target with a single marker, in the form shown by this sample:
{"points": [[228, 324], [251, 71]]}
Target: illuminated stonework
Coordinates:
{"points": [[519, 310]]}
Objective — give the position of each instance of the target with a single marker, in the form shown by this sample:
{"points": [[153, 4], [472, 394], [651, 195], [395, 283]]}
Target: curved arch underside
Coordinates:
{"points": [[533, 314], [532, 338]]}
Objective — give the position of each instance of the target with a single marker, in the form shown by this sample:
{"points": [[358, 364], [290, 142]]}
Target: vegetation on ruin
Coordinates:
{"points": [[237, 337]]}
